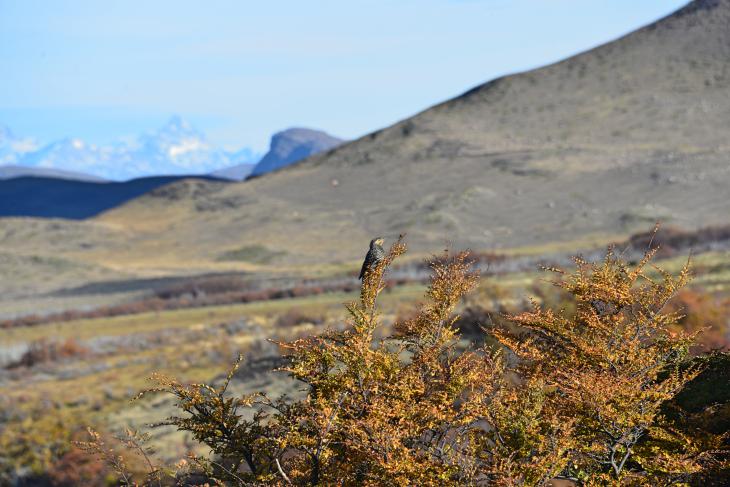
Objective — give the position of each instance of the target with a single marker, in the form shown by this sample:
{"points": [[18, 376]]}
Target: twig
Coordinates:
{"points": [[281, 471], [232, 474]]}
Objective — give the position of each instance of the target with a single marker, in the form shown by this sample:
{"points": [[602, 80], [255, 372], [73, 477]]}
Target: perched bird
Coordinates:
{"points": [[603, 308], [374, 256]]}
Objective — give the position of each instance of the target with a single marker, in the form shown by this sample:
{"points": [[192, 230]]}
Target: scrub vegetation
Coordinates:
{"points": [[585, 393]]}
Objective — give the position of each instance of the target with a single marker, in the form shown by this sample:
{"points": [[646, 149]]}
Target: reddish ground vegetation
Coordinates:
{"points": [[183, 301], [672, 240], [43, 351], [705, 312], [76, 467]]}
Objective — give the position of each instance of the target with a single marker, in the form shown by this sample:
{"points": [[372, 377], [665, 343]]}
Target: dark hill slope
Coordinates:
{"points": [[64, 198], [607, 141], [9, 172]]}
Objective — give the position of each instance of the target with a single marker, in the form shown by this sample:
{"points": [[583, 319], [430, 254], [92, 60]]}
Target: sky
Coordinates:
{"points": [[241, 70]]}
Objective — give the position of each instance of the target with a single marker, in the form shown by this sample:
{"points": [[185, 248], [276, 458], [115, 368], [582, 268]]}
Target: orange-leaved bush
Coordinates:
{"points": [[409, 408], [563, 394], [610, 365]]}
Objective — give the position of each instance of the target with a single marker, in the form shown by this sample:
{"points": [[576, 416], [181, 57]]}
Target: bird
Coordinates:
{"points": [[604, 308], [374, 256]]}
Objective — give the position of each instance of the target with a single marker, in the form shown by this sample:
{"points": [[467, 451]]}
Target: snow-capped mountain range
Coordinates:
{"points": [[176, 148], [13, 148]]}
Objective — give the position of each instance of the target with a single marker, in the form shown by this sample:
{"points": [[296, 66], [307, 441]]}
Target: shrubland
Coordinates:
{"points": [[590, 393]]}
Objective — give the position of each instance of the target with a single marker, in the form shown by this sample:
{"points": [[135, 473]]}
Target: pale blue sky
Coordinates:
{"points": [[241, 70]]}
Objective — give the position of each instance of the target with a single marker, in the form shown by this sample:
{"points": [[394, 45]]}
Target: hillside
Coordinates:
{"points": [[63, 197], [600, 145], [239, 172], [607, 141], [10, 171]]}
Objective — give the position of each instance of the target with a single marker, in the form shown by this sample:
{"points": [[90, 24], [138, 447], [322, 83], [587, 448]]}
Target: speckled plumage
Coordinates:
{"points": [[374, 256]]}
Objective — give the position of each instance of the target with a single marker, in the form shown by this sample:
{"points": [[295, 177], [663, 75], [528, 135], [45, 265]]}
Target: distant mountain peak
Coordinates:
{"points": [[303, 132], [183, 145], [178, 125], [292, 145], [77, 143], [175, 148], [12, 148]]}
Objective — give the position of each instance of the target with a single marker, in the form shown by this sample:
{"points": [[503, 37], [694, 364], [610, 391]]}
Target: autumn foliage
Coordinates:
{"points": [[611, 365], [577, 396]]}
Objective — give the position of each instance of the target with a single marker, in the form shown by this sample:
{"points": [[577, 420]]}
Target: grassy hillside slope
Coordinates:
{"points": [[582, 151], [603, 142]]}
